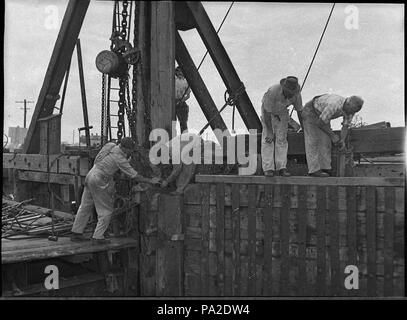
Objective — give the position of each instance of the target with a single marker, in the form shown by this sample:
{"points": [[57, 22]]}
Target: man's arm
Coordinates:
{"points": [[327, 129], [176, 170], [128, 170], [298, 107], [267, 118], [347, 119]]}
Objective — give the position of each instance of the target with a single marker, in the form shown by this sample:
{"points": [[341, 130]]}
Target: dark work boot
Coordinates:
{"points": [[327, 171], [284, 173], [100, 241], [269, 173], [78, 237], [319, 174]]}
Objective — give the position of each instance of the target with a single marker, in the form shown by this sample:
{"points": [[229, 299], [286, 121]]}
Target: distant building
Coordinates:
{"points": [[16, 136], [94, 140]]}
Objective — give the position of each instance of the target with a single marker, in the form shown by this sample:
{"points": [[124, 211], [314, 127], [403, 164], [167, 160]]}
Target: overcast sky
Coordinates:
{"points": [[265, 41]]}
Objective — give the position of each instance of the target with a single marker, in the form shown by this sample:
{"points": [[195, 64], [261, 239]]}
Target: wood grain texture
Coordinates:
{"points": [[251, 284], [308, 181], [371, 225]]}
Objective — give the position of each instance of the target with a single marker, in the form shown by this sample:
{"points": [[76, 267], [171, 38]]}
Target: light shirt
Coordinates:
{"points": [[330, 106], [274, 101], [111, 158], [181, 85]]}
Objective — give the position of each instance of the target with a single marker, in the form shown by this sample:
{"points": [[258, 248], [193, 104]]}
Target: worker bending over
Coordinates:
{"points": [[275, 118], [183, 164], [182, 93], [99, 188], [317, 115]]}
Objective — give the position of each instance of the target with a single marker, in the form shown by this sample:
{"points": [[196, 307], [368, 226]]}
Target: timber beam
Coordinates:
{"points": [[224, 65], [367, 141], [198, 87], [308, 181], [57, 67]]}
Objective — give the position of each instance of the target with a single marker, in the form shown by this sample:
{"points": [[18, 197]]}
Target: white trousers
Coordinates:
{"points": [[99, 193], [279, 155], [317, 143]]}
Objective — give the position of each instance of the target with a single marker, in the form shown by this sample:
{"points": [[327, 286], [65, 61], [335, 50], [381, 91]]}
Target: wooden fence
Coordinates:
{"points": [[257, 236]]}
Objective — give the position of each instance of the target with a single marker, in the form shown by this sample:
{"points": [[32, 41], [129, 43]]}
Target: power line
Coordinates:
{"points": [[319, 43], [25, 110], [316, 50]]}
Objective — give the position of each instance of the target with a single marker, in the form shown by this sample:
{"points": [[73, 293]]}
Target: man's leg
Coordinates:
{"points": [[324, 154], [311, 137], [281, 125], [182, 111], [267, 155], [84, 212], [104, 208]]}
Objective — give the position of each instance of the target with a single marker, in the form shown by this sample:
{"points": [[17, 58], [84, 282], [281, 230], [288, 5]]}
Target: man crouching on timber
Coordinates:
{"points": [[99, 188], [317, 115]]}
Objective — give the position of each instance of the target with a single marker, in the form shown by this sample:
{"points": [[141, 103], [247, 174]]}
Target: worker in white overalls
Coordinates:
{"points": [[99, 188], [317, 115], [275, 118]]}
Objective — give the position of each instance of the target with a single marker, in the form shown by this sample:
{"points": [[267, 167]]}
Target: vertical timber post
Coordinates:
{"points": [[162, 65], [170, 250]]}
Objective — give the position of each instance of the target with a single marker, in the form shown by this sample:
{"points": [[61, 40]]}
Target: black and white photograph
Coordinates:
{"points": [[203, 150]]}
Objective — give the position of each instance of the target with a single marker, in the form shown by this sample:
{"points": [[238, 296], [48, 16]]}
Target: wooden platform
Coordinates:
{"points": [[35, 249]]}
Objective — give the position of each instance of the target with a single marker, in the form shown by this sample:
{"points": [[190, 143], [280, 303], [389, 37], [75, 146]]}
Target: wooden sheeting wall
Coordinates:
{"points": [[274, 240]]}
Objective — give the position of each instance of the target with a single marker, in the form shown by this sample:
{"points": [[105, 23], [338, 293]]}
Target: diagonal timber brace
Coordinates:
{"points": [[198, 87], [223, 64], [57, 67]]}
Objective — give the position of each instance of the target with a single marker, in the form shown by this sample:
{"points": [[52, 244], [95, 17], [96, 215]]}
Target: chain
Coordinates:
{"points": [[133, 119], [124, 20], [102, 124], [122, 80]]}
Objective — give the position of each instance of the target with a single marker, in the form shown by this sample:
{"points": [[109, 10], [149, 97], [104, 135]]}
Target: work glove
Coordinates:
{"points": [[335, 139], [155, 180]]}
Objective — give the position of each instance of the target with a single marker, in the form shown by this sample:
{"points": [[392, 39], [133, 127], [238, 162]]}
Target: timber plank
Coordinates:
{"points": [[64, 283], [169, 254], [64, 179], [351, 228], [389, 241], [302, 238], [268, 241], [64, 247], [205, 241], [285, 234], [251, 285], [371, 240], [235, 239], [334, 241], [321, 244], [220, 236], [329, 181]]}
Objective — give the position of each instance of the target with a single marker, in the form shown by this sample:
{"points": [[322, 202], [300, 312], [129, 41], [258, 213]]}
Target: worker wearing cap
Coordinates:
{"points": [[275, 118], [182, 93], [317, 115], [99, 188]]}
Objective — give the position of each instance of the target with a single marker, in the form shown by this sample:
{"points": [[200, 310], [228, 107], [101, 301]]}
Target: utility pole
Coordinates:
{"points": [[25, 110]]}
